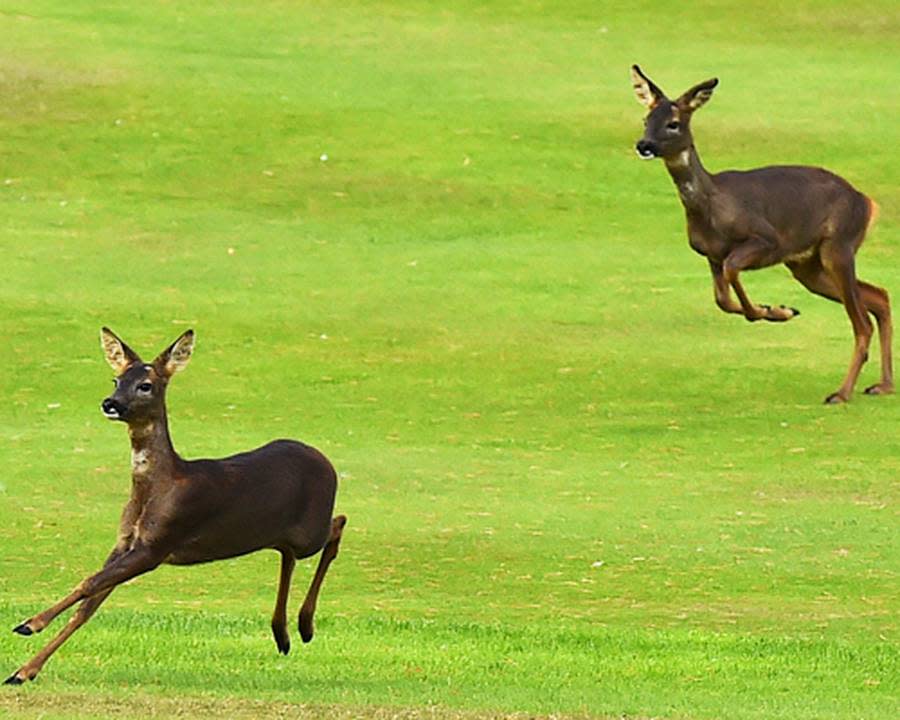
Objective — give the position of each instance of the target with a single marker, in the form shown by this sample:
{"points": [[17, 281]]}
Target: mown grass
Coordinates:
{"points": [[574, 486]]}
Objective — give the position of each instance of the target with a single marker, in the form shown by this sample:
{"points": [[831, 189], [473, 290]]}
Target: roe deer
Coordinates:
{"points": [[805, 217], [182, 512]]}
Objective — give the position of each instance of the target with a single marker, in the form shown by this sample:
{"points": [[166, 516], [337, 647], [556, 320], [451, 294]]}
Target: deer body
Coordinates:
{"points": [[807, 218], [184, 512], [237, 505]]}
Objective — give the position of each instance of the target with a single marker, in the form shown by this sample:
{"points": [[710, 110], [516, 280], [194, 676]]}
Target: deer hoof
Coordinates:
{"points": [[306, 629], [879, 390], [14, 679], [835, 399], [23, 629], [282, 639], [793, 310]]}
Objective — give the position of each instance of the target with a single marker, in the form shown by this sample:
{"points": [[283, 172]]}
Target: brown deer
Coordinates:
{"points": [[183, 512], [805, 217]]}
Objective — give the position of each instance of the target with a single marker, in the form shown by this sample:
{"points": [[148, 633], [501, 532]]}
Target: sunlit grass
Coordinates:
{"points": [[417, 238]]}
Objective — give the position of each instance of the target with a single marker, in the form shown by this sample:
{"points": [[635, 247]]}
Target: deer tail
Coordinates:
{"points": [[874, 211]]}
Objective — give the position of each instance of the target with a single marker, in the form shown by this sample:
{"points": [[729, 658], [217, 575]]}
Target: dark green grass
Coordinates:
{"points": [[574, 485]]}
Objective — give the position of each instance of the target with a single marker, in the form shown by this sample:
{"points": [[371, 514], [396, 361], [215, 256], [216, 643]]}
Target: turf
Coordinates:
{"points": [[417, 237]]}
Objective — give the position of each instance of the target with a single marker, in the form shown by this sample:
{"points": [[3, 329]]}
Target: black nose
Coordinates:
{"points": [[647, 149], [111, 408]]}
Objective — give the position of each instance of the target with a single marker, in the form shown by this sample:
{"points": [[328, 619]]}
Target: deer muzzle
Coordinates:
{"points": [[647, 149], [113, 409]]}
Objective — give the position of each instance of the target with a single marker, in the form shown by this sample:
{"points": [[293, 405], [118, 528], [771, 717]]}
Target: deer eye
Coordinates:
{"points": [[673, 125], [145, 387]]}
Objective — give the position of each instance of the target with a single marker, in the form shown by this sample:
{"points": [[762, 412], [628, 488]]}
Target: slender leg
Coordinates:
{"points": [[87, 608], [30, 669], [840, 266], [279, 617], [878, 303], [832, 277], [754, 253], [722, 290], [118, 569], [329, 552]]}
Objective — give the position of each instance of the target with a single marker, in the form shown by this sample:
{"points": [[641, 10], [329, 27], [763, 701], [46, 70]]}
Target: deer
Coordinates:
{"points": [[807, 218], [182, 512]]}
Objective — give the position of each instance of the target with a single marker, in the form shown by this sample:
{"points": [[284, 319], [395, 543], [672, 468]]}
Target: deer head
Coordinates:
{"points": [[667, 126], [140, 394]]}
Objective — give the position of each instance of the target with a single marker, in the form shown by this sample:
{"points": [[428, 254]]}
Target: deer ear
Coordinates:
{"points": [[698, 95], [118, 354], [175, 357], [647, 93]]}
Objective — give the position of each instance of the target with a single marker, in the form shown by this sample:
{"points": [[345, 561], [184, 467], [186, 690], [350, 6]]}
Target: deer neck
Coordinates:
{"points": [[152, 456], [690, 177]]}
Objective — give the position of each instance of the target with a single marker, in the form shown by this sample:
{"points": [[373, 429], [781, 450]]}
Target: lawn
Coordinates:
{"points": [[416, 236]]}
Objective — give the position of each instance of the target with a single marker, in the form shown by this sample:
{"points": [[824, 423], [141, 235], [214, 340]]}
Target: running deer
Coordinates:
{"points": [[182, 512], [805, 217]]}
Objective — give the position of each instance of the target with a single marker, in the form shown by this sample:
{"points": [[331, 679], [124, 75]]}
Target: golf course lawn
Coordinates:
{"points": [[416, 236]]}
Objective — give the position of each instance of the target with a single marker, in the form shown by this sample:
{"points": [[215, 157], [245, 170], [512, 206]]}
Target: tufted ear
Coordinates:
{"points": [[647, 93], [119, 356], [175, 357], [698, 95]]}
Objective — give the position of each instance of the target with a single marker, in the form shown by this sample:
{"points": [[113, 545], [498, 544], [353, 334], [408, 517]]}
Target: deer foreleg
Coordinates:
{"points": [[87, 608], [754, 253], [722, 290], [118, 569], [30, 669]]}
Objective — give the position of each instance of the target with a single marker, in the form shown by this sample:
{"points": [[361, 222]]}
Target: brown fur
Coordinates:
{"points": [[182, 512], [807, 218]]}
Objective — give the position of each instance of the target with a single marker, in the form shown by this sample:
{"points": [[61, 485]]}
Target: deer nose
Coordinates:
{"points": [[112, 409], [647, 149]]}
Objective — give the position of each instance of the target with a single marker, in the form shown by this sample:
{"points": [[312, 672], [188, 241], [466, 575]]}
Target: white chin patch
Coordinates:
{"points": [[645, 156], [112, 415]]}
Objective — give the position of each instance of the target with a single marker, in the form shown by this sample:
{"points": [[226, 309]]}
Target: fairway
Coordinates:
{"points": [[417, 237]]}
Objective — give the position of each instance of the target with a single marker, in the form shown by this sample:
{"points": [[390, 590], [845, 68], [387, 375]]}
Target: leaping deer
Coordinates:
{"points": [[805, 217], [183, 512]]}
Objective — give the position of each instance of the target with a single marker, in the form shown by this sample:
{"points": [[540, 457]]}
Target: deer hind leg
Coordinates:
{"points": [[84, 612], [329, 553], [826, 281], [878, 303], [279, 617], [838, 262]]}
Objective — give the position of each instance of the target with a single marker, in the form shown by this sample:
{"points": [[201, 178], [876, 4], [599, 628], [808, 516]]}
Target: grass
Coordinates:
{"points": [[574, 486]]}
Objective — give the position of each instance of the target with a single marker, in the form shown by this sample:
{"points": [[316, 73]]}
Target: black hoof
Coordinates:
{"points": [[306, 633], [283, 642], [23, 629], [13, 680], [834, 399]]}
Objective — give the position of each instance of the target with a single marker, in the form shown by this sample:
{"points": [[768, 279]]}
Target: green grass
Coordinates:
{"points": [[574, 486]]}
